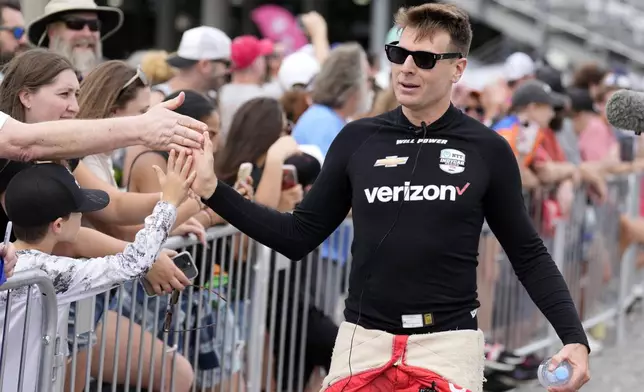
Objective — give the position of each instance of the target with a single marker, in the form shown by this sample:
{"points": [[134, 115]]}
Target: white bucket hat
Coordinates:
{"points": [[111, 18]]}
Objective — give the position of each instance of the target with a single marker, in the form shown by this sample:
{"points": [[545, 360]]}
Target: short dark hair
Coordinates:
{"points": [[14, 5], [195, 105], [431, 18], [32, 234]]}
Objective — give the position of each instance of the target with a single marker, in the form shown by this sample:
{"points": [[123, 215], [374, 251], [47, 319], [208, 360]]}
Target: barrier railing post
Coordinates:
{"points": [[258, 319], [628, 261], [558, 254]]}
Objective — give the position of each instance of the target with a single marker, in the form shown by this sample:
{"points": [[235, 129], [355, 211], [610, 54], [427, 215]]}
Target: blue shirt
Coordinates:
{"points": [[318, 126]]}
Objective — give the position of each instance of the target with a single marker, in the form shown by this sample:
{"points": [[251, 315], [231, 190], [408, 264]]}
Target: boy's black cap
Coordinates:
{"points": [[45, 192]]}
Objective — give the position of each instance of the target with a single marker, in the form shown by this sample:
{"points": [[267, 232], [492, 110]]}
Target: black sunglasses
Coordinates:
{"points": [[422, 59], [80, 23], [17, 32], [167, 322], [172, 304]]}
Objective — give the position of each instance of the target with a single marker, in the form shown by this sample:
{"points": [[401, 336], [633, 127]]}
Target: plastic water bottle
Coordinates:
{"points": [[560, 376]]}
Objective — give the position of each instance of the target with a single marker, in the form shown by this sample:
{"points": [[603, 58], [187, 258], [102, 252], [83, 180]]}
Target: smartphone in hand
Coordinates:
{"points": [[184, 262], [245, 169], [289, 177]]}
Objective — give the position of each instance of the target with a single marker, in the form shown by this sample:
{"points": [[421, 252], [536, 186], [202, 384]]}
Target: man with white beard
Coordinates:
{"points": [[75, 29]]}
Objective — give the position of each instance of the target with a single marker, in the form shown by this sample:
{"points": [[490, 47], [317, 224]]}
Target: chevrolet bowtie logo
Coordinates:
{"points": [[392, 161]]}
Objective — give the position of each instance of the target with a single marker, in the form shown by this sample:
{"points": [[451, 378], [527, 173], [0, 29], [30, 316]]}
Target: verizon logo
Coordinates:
{"points": [[408, 192]]}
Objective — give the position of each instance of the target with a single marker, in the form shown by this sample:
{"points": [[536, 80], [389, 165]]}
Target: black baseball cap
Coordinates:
{"points": [[536, 91], [580, 100], [45, 192], [552, 78]]}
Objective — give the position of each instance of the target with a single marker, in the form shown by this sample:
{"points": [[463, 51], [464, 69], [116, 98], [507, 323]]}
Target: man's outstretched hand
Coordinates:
{"points": [[203, 164], [167, 130]]}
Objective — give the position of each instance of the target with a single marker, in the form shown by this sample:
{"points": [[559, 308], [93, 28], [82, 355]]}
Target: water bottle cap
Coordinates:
{"points": [[562, 373]]}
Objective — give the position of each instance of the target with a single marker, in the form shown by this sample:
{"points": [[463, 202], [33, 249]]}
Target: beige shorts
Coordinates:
{"points": [[457, 356]]}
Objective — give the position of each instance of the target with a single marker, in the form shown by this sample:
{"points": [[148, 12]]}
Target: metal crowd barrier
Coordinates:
{"points": [[27, 358], [256, 321]]}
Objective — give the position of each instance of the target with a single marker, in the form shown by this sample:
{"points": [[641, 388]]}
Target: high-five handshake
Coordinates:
{"points": [[197, 171], [205, 181]]}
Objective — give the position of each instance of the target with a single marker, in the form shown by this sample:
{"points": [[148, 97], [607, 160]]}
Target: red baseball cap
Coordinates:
{"points": [[245, 49]]}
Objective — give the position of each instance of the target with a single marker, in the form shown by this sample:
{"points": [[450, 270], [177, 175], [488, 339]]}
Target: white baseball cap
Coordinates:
{"points": [[201, 43], [297, 68], [517, 66]]}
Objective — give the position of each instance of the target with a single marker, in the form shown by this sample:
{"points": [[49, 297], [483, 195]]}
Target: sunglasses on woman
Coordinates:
{"points": [[140, 75], [422, 59]]}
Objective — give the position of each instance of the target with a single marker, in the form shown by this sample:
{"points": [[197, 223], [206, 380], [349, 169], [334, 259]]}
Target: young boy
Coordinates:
{"points": [[45, 204]]}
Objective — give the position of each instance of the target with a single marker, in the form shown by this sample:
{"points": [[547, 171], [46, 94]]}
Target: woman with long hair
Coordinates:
{"points": [[114, 89], [260, 134], [38, 86]]}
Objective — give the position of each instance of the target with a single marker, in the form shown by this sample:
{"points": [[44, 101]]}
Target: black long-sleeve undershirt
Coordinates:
{"points": [[426, 264]]}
